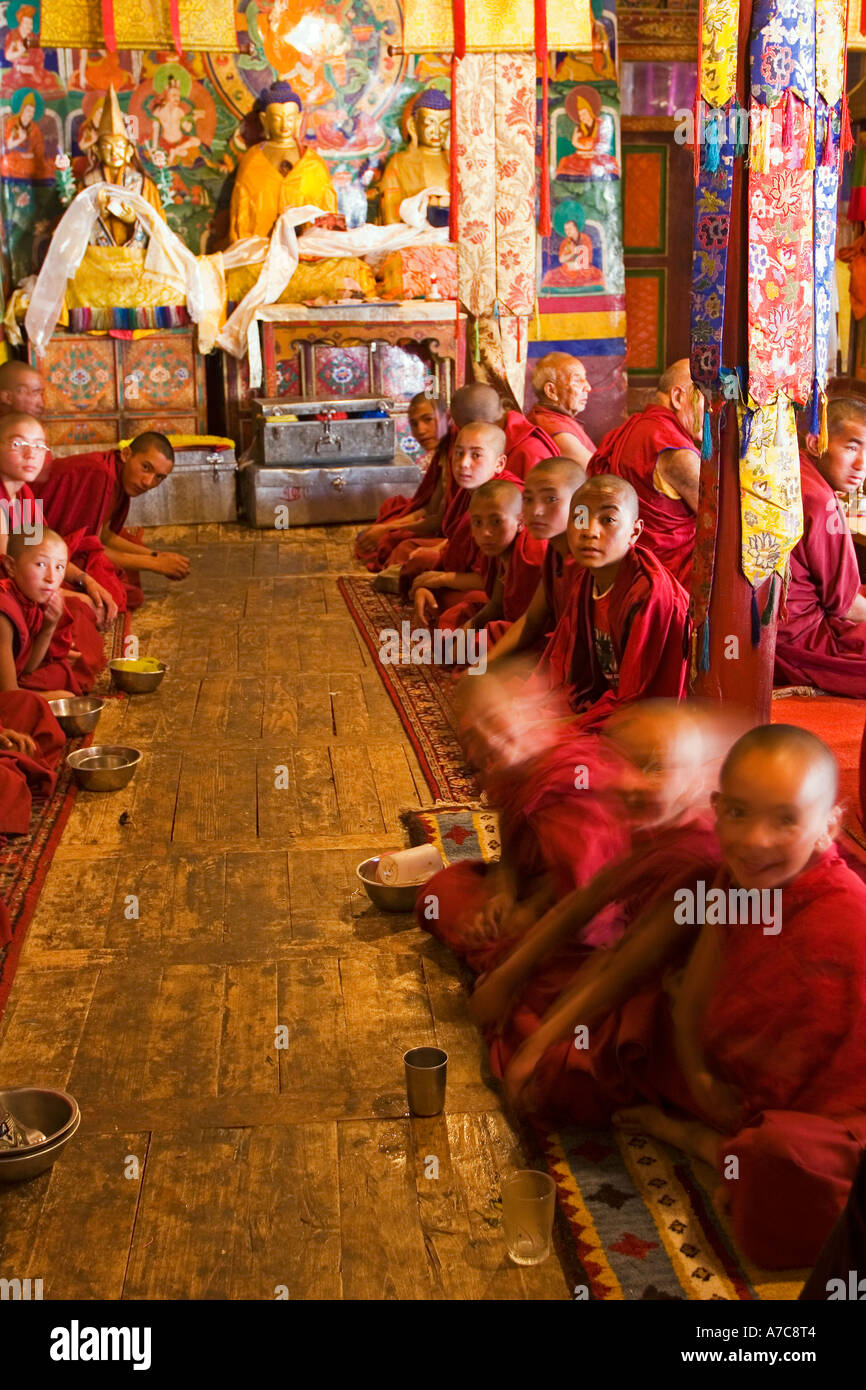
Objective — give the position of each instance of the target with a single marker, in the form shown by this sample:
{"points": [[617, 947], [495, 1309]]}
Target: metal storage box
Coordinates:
{"points": [[317, 496], [200, 487], [315, 438]]}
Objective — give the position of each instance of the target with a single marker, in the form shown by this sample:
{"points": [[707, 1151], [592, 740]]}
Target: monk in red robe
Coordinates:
{"points": [[513, 561], [402, 517], [821, 637], [656, 451], [547, 494], [37, 631], [31, 745], [21, 389], [86, 499], [754, 1057], [562, 390], [457, 569], [623, 636]]}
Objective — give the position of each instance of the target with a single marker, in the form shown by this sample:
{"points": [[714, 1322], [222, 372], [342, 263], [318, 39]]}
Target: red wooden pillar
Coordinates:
{"points": [[739, 674]]}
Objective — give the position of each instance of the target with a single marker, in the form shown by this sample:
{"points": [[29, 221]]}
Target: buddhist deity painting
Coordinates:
{"points": [[585, 136], [176, 114], [24, 60], [95, 70], [600, 65], [579, 252], [23, 149]]}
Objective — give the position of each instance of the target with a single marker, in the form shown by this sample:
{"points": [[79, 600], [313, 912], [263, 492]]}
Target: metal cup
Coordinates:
{"points": [[426, 1068]]}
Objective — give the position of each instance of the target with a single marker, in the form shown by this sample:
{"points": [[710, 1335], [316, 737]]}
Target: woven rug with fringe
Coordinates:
{"points": [[26, 859]]}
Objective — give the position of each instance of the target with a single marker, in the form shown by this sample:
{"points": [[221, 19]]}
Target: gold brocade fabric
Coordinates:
{"points": [[496, 24], [830, 48], [205, 25], [719, 51], [771, 506], [114, 277], [335, 277]]}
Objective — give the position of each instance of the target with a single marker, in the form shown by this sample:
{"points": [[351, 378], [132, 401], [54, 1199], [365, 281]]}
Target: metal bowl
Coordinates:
{"points": [[390, 897], [103, 767], [135, 682], [55, 1113], [79, 716]]}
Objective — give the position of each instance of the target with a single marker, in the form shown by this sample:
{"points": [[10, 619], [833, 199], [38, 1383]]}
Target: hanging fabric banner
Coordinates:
{"points": [[475, 135], [710, 261], [782, 52], [771, 508], [720, 22], [183, 25], [496, 25]]}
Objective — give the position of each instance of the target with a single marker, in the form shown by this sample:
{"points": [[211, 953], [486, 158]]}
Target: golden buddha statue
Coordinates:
{"points": [[276, 175], [426, 162]]}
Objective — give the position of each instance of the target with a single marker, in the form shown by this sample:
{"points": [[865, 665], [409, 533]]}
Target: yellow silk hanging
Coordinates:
{"points": [[771, 507], [721, 21]]}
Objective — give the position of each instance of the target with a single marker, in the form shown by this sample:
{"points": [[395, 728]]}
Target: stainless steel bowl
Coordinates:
{"points": [[78, 716], [55, 1113], [391, 898], [103, 767], [135, 682]]}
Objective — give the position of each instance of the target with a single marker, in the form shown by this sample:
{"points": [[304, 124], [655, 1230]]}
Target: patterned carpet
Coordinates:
{"points": [[26, 859], [639, 1214]]}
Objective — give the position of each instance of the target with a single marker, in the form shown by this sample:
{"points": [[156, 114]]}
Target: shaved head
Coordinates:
{"points": [[491, 435], [14, 419], [20, 388], [476, 403], [563, 470], [788, 745], [677, 374], [500, 491], [607, 487], [18, 542]]}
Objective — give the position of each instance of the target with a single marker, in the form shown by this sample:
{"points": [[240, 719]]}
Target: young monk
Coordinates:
{"points": [[562, 390], [547, 495], [513, 560], [478, 456], [657, 452], [623, 635], [31, 745], [821, 638], [36, 630], [86, 498], [402, 517], [755, 1058], [556, 830]]}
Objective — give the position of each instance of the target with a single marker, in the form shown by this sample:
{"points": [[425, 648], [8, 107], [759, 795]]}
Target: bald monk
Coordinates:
{"points": [[512, 562], [821, 637], [562, 390], [31, 745], [21, 389], [657, 452], [402, 517], [547, 494], [477, 457], [754, 1059], [556, 831], [86, 498], [623, 634], [37, 632]]}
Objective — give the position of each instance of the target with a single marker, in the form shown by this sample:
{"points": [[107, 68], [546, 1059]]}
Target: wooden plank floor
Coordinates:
{"points": [[210, 1162]]}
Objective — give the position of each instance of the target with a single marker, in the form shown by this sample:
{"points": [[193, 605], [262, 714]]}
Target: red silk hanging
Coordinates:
{"points": [[544, 227], [174, 15], [108, 32], [459, 15]]}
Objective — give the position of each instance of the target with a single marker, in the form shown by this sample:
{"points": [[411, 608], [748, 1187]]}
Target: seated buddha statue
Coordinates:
{"points": [[274, 175], [112, 273], [426, 162]]}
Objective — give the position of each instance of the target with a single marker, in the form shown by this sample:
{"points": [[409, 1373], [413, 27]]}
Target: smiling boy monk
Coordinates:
{"points": [[755, 1059], [36, 629], [547, 495], [623, 634], [821, 638], [512, 561], [86, 498]]}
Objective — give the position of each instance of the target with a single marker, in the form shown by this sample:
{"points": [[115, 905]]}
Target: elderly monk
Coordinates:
{"points": [[656, 451], [86, 498], [425, 163], [21, 389], [562, 391], [821, 640]]}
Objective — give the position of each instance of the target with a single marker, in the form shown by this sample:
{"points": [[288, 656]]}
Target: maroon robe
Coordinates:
{"points": [[526, 444], [786, 1025], [814, 643], [521, 573], [631, 451], [648, 612], [555, 422], [20, 775], [401, 506], [460, 554], [80, 495], [76, 631], [558, 575]]}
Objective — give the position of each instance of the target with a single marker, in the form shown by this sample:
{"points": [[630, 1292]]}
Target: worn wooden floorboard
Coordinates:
{"points": [[209, 980]]}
